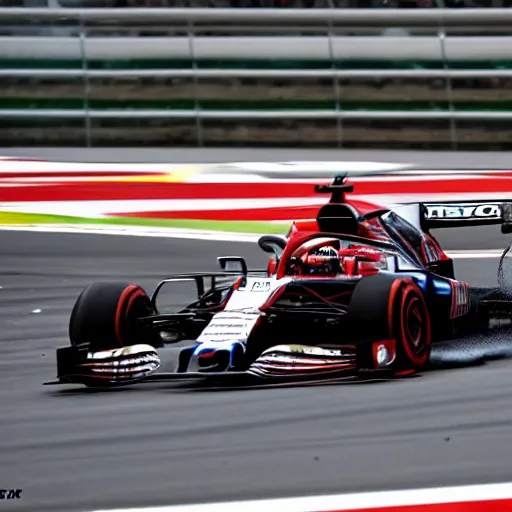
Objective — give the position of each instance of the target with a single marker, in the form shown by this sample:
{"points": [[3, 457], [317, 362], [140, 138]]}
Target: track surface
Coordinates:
{"points": [[158, 444], [421, 159]]}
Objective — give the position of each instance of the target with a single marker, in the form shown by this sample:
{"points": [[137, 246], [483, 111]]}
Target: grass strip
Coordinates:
{"points": [[16, 218]]}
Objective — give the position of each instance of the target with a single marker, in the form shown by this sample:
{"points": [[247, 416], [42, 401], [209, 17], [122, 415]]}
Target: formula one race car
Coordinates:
{"points": [[358, 291]]}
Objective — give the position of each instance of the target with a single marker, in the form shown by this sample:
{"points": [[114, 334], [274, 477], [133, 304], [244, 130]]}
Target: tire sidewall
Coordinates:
{"points": [[407, 306], [106, 316]]}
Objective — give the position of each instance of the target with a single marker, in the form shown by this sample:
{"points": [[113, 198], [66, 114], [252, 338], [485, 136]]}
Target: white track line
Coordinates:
{"points": [[389, 499], [30, 167], [139, 231], [352, 168]]}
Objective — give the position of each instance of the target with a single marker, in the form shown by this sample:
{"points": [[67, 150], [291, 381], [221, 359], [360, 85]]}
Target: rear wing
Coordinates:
{"points": [[449, 214], [439, 214]]}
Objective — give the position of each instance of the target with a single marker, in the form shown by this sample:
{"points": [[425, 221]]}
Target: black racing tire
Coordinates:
{"points": [[386, 306], [105, 316]]}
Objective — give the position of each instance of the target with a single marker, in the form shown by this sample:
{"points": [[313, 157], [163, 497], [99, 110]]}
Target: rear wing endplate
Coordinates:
{"points": [[469, 213]]}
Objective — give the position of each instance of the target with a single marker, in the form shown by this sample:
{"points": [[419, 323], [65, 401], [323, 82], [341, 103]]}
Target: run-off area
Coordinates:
{"points": [[70, 449]]}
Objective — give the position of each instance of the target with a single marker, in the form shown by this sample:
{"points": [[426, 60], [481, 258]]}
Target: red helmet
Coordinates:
{"points": [[326, 257], [323, 261]]}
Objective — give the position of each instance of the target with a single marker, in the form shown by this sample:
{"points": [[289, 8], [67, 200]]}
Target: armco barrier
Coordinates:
{"points": [[433, 78]]}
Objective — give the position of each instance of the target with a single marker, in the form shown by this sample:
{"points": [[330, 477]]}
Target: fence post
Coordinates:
{"points": [[441, 34], [335, 81], [197, 106], [87, 117]]}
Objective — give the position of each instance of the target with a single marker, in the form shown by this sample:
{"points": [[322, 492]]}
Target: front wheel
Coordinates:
{"points": [[386, 307], [106, 316]]}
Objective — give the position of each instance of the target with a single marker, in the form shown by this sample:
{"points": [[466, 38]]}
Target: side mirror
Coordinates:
{"points": [[232, 264], [272, 244]]}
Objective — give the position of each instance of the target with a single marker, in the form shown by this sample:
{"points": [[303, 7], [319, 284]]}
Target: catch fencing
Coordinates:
{"points": [[429, 78]]}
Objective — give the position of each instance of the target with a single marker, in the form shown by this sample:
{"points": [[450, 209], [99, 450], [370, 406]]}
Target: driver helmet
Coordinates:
{"points": [[321, 261]]}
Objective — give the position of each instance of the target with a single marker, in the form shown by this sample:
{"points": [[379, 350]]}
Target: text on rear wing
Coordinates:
{"points": [[463, 211]]}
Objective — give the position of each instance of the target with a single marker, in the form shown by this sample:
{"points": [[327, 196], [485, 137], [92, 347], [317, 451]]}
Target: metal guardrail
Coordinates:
{"points": [[261, 47], [243, 115], [259, 73], [333, 46], [340, 17]]}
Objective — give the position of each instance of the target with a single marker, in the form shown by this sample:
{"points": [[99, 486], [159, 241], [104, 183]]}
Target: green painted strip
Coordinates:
{"points": [[15, 218], [254, 104], [248, 64]]}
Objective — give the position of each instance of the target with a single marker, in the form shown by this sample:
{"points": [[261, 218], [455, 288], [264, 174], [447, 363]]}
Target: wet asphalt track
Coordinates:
{"points": [[158, 444]]}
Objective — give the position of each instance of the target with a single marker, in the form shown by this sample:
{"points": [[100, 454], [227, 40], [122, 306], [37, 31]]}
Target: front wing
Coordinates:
{"points": [[142, 363]]}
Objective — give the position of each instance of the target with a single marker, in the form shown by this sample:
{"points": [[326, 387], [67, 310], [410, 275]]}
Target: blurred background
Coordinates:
{"points": [[325, 80], [340, 4]]}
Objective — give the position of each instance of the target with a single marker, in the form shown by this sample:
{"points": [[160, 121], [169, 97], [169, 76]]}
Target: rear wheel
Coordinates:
{"points": [[387, 307], [505, 270], [106, 316]]}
